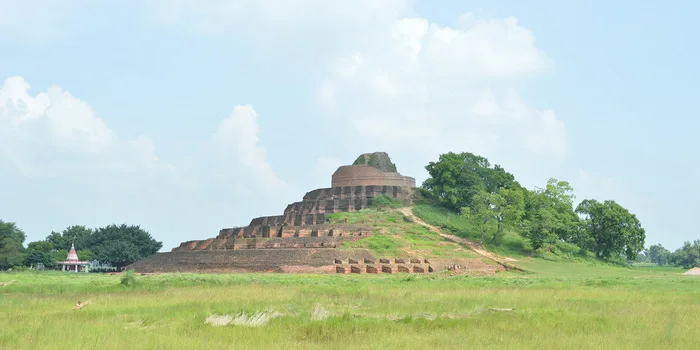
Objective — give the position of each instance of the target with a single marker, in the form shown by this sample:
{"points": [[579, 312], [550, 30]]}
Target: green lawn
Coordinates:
{"points": [[562, 305]]}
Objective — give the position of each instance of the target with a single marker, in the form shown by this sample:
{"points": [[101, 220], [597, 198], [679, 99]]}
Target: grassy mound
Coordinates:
{"points": [[396, 235]]}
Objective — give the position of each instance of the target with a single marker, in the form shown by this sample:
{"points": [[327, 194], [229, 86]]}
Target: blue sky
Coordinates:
{"points": [[189, 116]]}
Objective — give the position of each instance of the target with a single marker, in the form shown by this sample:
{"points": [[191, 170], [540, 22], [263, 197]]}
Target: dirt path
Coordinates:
{"points": [[504, 261]]}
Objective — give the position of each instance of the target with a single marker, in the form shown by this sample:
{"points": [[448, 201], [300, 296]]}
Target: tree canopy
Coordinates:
{"points": [[659, 255], [613, 229], [122, 244], [11, 249], [456, 178], [494, 202], [119, 245], [78, 234], [687, 256]]}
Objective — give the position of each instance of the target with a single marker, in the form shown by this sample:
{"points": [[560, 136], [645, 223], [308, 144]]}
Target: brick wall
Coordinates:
{"points": [[365, 175]]}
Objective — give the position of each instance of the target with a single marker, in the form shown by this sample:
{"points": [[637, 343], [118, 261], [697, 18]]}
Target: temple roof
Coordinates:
{"points": [[72, 257]]}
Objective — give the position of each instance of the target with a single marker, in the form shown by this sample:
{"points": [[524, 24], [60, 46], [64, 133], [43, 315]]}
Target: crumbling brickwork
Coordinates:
{"points": [[304, 219]]}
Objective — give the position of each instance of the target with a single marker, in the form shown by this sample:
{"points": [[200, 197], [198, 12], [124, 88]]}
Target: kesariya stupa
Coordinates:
{"points": [[302, 239]]}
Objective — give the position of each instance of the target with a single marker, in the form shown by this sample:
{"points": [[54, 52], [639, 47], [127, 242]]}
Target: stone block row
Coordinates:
{"points": [[382, 261], [331, 240], [376, 269], [298, 231]]}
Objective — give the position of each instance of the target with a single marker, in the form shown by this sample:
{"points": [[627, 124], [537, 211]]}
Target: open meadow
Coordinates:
{"points": [[554, 307]]}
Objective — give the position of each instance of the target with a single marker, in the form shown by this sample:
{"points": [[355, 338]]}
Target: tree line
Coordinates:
{"points": [[495, 203], [687, 256], [119, 245]]}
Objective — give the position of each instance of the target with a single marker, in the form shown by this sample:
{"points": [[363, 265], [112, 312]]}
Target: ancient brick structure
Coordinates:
{"points": [[365, 175], [248, 260], [385, 266], [302, 226], [371, 169]]}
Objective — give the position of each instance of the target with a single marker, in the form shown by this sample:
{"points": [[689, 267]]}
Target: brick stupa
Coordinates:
{"points": [[300, 239]]}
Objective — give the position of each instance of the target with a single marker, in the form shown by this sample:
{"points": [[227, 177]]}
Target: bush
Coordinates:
{"points": [[129, 278], [423, 196], [383, 203]]}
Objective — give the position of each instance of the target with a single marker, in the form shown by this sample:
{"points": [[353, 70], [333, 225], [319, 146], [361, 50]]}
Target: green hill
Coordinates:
{"points": [[434, 232]]}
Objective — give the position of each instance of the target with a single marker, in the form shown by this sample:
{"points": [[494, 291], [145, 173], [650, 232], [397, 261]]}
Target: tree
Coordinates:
{"points": [[78, 234], [122, 245], [490, 212], [40, 252], [42, 246], [85, 255], [456, 178], [11, 249], [659, 255], [559, 197], [482, 213], [549, 215], [687, 256], [59, 255], [613, 228], [541, 224]]}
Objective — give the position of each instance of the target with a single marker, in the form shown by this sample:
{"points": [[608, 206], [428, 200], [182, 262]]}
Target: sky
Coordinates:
{"points": [[188, 116]]}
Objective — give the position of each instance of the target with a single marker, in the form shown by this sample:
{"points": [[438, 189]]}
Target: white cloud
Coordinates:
{"points": [[304, 30], [54, 132], [392, 79], [237, 145], [417, 86]]}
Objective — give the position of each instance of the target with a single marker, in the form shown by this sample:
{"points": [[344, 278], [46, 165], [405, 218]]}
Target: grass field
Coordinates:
{"points": [[563, 300], [563, 305]]}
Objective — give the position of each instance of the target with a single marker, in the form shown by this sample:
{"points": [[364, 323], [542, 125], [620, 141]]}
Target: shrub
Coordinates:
{"points": [[129, 278], [383, 203]]}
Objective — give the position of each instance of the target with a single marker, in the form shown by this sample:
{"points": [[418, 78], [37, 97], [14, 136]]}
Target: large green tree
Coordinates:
{"points": [[559, 197], [491, 212], [122, 244], [11, 249], [81, 235], [40, 252], [549, 215], [456, 178], [541, 223], [613, 229], [687, 256]]}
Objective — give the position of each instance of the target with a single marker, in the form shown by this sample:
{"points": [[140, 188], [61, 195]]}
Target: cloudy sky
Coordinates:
{"points": [[187, 116]]}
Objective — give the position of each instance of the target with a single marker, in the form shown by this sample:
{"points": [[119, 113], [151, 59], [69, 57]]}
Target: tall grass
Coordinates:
{"points": [[647, 309]]}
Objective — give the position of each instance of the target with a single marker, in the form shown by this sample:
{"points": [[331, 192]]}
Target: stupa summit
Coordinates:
{"points": [[300, 238]]}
